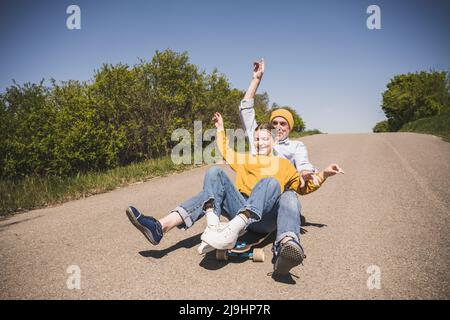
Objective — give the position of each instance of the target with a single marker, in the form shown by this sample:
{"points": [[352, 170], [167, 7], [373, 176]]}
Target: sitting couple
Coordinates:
{"points": [[264, 196]]}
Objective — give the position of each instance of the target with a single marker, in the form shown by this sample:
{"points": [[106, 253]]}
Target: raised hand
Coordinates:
{"points": [[258, 69], [218, 120]]}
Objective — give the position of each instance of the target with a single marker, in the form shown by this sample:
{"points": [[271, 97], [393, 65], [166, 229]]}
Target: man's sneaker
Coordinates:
{"points": [[149, 226], [221, 237], [287, 256]]}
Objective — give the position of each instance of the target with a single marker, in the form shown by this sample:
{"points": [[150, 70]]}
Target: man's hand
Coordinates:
{"points": [[331, 170], [218, 121], [258, 69], [309, 175]]}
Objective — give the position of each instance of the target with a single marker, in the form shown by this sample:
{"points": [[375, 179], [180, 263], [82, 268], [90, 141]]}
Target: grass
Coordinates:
{"points": [[437, 125], [37, 192]]}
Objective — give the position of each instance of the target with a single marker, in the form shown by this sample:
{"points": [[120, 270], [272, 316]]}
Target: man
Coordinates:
{"points": [[295, 151], [282, 120]]}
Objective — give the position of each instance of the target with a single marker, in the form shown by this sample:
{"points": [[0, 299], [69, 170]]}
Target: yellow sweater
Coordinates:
{"points": [[250, 169]]}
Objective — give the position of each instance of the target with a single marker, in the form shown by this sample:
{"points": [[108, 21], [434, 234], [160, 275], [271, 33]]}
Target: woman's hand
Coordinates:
{"points": [[310, 176], [331, 170], [218, 121], [258, 69]]}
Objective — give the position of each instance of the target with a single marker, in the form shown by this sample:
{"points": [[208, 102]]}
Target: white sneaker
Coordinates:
{"points": [[220, 238], [204, 248]]}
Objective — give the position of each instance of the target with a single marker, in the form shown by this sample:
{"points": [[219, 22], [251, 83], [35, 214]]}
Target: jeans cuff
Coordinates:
{"points": [[287, 234], [185, 216], [254, 217], [208, 200]]}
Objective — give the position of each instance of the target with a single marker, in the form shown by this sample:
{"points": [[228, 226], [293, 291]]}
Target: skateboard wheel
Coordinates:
{"points": [[221, 255], [258, 255]]}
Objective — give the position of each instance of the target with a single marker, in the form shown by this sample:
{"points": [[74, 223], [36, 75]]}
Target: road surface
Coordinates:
{"points": [[386, 219]]}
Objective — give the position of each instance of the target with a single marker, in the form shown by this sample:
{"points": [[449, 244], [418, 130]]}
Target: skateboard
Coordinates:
{"points": [[245, 247]]}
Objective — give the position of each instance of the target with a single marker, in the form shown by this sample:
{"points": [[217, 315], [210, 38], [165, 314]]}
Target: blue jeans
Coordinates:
{"points": [[264, 205]]}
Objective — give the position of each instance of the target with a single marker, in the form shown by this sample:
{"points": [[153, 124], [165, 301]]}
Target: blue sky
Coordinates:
{"points": [[321, 58]]}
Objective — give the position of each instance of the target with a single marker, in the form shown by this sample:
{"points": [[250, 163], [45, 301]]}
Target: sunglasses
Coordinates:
{"points": [[281, 123]]}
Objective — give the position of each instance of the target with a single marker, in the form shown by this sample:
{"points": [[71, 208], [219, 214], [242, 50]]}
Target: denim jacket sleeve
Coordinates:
{"points": [[248, 119], [301, 160]]}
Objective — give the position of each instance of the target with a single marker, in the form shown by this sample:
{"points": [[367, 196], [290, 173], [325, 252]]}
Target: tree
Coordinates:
{"points": [[85, 136], [123, 114], [28, 118], [415, 95]]}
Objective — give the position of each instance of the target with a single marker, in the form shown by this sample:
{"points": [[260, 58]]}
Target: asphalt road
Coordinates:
{"points": [[389, 214]]}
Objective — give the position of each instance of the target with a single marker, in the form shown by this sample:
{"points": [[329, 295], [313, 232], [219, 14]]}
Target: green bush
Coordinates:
{"points": [[438, 125], [122, 115], [382, 126]]}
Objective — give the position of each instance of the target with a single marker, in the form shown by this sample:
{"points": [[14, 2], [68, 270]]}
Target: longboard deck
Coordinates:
{"points": [[249, 240]]}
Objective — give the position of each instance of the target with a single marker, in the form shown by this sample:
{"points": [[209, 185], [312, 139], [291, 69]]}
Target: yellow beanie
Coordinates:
{"points": [[285, 114]]}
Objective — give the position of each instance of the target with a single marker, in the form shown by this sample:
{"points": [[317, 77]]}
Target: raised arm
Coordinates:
{"points": [[246, 109], [258, 72], [233, 158]]}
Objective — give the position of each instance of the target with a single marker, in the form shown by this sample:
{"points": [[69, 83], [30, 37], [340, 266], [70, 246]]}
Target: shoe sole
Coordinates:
{"points": [[290, 256], [205, 249], [148, 235], [215, 245]]}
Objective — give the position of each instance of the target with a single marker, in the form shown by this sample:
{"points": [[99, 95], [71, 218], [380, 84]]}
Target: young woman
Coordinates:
{"points": [[253, 201]]}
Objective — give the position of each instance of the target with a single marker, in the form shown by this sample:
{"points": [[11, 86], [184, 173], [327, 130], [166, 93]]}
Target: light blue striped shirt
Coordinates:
{"points": [[293, 150]]}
